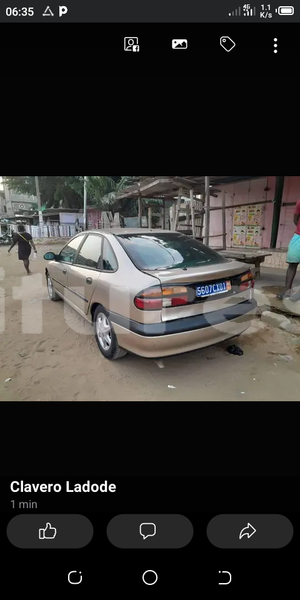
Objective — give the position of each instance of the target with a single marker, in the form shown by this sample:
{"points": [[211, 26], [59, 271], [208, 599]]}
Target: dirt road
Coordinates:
{"points": [[47, 360]]}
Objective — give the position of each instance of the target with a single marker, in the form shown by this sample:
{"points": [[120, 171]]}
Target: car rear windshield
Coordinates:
{"points": [[159, 251]]}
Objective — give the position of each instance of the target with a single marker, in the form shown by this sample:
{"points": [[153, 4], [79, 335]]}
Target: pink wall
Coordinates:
{"points": [[255, 191]]}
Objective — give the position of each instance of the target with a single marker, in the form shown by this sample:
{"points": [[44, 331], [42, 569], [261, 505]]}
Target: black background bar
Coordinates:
{"points": [[93, 47]]}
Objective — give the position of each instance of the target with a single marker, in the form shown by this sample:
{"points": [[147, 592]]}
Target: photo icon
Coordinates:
{"points": [[179, 44]]}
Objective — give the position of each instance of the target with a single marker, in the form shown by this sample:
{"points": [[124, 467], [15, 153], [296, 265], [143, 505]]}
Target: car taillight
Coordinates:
{"points": [[158, 297], [247, 281], [150, 299], [174, 296]]}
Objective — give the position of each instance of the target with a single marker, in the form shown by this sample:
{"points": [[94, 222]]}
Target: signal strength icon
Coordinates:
{"points": [[245, 11]]}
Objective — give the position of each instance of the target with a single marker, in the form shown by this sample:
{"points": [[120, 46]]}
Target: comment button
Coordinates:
{"points": [[150, 531]]}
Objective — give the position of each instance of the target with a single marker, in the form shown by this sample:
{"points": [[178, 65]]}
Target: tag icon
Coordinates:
{"points": [[227, 43]]}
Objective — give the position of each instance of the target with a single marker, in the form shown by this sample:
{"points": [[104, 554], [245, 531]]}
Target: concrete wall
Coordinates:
{"points": [[70, 218], [256, 191]]}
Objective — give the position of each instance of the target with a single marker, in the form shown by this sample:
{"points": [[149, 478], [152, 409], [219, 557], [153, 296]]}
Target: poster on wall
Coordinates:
{"points": [[257, 217], [240, 215], [239, 236], [248, 215], [251, 215], [254, 215], [253, 237]]}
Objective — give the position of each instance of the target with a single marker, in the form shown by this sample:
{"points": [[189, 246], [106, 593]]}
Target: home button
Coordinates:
{"points": [[150, 577]]}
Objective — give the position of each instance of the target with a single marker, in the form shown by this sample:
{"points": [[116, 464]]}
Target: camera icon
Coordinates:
{"points": [[131, 44]]}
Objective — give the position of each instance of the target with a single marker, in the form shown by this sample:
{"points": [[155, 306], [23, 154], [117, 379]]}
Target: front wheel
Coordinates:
{"points": [[105, 336], [51, 291]]}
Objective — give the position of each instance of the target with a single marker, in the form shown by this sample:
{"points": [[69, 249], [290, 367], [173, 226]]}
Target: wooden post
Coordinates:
{"points": [[193, 213], [140, 210], [277, 210], [202, 217], [224, 219], [178, 209], [188, 216], [171, 216], [150, 217], [207, 209]]}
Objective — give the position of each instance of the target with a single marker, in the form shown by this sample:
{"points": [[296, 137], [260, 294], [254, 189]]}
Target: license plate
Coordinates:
{"points": [[202, 291]]}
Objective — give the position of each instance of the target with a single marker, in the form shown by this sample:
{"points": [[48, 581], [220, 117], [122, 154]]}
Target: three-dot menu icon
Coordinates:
{"points": [[275, 45]]}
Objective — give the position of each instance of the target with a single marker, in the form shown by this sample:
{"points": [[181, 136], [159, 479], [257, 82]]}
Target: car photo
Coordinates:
{"points": [[153, 293]]}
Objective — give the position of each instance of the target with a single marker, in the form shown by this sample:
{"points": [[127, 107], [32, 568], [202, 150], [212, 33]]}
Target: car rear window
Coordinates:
{"points": [[167, 251]]}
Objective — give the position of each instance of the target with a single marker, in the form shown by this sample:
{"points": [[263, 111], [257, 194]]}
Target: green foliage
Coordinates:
{"points": [[102, 192], [67, 191], [53, 190]]}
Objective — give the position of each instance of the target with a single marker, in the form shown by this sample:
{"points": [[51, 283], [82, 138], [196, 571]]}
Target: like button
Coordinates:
{"points": [[48, 533]]}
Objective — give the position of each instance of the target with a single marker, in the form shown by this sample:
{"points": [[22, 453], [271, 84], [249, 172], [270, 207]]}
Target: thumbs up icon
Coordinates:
{"points": [[48, 533]]}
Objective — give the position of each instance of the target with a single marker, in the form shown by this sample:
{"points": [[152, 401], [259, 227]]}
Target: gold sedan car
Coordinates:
{"points": [[151, 292]]}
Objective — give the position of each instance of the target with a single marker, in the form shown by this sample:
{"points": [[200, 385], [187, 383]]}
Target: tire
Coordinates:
{"points": [[51, 291], [106, 339]]}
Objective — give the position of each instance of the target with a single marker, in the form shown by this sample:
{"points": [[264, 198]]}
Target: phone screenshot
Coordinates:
{"points": [[160, 312], [153, 39]]}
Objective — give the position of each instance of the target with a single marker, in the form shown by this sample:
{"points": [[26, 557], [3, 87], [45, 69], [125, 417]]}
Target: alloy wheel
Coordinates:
{"points": [[103, 331]]}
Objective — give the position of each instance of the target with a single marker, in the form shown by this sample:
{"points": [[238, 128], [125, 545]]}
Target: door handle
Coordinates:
{"points": [[64, 271], [89, 280]]}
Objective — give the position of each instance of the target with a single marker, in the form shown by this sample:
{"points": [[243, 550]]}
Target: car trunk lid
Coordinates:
{"points": [[209, 288]]}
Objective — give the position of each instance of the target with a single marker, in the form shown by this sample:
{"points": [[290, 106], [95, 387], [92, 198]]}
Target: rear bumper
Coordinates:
{"points": [[183, 335]]}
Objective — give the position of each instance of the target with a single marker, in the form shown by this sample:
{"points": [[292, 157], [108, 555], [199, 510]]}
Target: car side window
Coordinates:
{"points": [[69, 251], [109, 259], [90, 253]]}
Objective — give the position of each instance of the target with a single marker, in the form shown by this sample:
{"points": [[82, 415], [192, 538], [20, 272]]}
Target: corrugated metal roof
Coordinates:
{"points": [[168, 186]]}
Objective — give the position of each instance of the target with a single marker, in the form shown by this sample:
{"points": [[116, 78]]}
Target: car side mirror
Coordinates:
{"points": [[49, 256]]}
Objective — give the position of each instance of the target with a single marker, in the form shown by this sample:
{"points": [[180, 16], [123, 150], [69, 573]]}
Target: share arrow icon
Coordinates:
{"points": [[249, 531]]}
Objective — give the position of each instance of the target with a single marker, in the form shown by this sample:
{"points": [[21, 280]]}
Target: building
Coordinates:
{"points": [[252, 208], [21, 208], [19, 205], [16, 208]]}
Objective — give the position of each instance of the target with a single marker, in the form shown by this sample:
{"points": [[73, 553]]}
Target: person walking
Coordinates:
{"points": [[25, 243], [293, 257]]}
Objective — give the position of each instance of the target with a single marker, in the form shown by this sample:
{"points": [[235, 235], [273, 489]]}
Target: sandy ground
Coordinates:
{"points": [[48, 361]]}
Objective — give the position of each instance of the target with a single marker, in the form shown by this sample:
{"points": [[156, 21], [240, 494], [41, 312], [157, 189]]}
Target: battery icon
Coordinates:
{"points": [[285, 11]]}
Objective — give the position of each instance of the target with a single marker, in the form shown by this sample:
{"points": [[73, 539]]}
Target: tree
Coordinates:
{"points": [[54, 189], [67, 191], [102, 192]]}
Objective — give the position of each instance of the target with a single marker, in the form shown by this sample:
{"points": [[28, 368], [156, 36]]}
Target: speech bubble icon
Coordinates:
{"points": [[147, 530]]}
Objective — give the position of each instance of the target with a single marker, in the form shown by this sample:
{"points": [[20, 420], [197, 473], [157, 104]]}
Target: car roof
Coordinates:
{"points": [[128, 231]]}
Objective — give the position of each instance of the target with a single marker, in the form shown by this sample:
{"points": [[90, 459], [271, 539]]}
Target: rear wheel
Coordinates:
{"points": [[105, 336], [51, 291]]}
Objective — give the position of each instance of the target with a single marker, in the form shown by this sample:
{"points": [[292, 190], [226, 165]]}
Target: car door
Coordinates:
{"points": [[60, 267], [84, 273]]}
